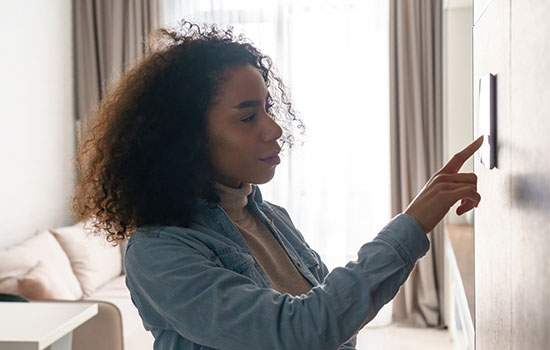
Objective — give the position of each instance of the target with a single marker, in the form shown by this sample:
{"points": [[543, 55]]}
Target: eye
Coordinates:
{"points": [[253, 116], [249, 119]]}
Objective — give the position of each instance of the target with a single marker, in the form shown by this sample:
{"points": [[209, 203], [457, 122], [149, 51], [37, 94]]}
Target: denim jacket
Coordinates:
{"points": [[201, 287]]}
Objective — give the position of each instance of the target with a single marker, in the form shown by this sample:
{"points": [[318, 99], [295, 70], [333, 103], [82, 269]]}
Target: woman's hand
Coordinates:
{"points": [[444, 189]]}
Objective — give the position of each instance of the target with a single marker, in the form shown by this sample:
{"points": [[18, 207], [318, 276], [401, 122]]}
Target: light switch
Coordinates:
{"points": [[487, 120]]}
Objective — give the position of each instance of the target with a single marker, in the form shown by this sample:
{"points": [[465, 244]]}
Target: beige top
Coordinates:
{"points": [[273, 259]]}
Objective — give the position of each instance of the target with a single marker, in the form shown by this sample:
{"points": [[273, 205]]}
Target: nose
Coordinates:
{"points": [[272, 130]]}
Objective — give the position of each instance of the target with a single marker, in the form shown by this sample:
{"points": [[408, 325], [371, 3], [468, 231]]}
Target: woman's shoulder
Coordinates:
{"points": [[161, 231], [193, 236]]}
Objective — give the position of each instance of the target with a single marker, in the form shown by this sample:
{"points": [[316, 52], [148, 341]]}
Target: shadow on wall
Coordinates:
{"points": [[530, 191]]}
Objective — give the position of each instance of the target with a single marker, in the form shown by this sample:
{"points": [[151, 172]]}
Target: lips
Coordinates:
{"points": [[274, 154]]}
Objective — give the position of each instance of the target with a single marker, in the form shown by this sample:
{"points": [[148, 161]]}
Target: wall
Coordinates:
{"points": [[512, 230], [36, 116]]}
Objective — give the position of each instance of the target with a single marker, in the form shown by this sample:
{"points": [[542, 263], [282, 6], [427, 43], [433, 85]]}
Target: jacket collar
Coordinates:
{"points": [[256, 195]]}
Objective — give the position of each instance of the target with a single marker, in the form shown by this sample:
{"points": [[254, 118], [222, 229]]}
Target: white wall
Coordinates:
{"points": [[36, 116]]}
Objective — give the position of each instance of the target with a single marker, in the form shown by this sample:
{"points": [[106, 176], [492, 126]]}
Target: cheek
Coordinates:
{"points": [[230, 151]]}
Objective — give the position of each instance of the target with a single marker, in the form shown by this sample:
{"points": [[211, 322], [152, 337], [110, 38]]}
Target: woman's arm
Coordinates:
{"points": [[352, 343], [176, 287]]}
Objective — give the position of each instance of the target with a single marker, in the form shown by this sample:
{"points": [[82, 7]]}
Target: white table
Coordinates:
{"points": [[39, 325]]}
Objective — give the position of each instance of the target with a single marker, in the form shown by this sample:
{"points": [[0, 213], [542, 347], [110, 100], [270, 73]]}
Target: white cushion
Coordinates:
{"points": [[19, 260], [94, 260], [41, 283], [8, 284]]}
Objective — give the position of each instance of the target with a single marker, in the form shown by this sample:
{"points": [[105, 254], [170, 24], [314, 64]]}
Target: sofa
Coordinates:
{"points": [[67, 264]]}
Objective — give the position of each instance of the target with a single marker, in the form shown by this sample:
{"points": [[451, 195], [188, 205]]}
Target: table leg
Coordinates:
{"points": [[64, 343]]}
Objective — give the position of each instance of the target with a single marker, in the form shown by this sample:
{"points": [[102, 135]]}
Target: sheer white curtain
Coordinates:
{"points": [[333, 55]]}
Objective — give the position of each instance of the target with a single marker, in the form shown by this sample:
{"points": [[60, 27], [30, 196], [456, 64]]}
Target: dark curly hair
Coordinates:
{"points": [[143, 157]]}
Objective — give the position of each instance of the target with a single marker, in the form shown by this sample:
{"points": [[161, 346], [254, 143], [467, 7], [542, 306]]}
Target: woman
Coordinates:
{"points": [[172, 162]]}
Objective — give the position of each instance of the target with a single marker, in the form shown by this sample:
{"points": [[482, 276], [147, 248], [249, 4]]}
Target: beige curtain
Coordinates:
{"points": [[416, 143], [109, 37]]}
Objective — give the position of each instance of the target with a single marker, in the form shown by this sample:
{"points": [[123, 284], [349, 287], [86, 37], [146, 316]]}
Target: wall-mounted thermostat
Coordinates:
{"points": [[487, 115]]}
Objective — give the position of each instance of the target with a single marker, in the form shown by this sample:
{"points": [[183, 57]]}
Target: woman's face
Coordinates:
{"points": [[241, 134]]}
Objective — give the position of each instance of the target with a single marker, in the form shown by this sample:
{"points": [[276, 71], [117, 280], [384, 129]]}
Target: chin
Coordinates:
{"points": [[263, 179]]}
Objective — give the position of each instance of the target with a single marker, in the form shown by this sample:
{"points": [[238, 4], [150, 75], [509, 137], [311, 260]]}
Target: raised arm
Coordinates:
{"points": [[176, 287]]}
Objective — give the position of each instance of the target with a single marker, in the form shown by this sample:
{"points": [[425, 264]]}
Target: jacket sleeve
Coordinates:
{"points": [[351, 344], [216, 307]]}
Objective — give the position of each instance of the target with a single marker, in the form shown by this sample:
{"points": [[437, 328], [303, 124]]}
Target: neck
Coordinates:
{"points": [[234, 200], [230, 184]]}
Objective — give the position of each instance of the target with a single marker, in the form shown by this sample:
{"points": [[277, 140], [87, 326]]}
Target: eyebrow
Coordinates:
{"points": [[247, 104]]}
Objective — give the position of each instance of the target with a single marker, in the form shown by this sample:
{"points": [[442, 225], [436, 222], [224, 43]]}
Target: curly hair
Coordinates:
{"points": [[143, 157]]}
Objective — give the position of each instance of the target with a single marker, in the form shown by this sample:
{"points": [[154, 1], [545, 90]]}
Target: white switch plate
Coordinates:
{"points": [[487, 120]]}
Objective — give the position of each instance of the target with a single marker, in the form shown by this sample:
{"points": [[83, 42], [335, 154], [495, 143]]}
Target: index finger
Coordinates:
{"points": [[456, 162]]}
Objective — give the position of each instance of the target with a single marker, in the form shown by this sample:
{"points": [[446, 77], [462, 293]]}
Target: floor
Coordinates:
{"points": [[401, 338]]}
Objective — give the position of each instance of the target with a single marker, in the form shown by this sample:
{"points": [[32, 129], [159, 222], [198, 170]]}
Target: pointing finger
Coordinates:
{"points": [[456, 162]]}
